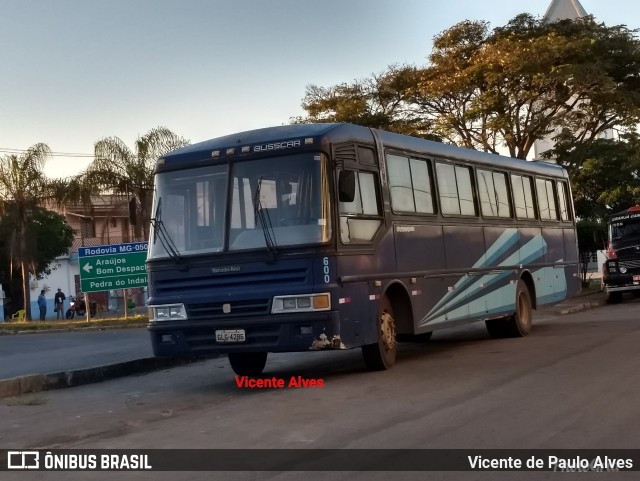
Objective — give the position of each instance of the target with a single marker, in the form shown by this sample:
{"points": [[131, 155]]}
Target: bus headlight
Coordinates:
{"points": [[172, 312], [301, 303]]}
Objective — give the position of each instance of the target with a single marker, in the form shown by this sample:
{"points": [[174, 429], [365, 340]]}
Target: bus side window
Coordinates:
{"points": [[456, 189], [546, 200], [409, 185], [366, 202], [494, 196], [523, 196], [563, 195]]}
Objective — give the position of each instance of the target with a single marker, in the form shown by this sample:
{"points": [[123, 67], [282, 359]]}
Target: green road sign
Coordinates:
{"points": [[116, 266]]}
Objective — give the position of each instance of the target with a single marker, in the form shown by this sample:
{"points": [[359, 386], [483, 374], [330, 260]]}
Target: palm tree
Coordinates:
{"points": [[118, 170], [23, 186]]}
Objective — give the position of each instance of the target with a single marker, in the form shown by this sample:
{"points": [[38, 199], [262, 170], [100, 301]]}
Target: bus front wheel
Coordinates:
{"points": [[614, 297], [248, 363], [519, 324], [382, 354]]}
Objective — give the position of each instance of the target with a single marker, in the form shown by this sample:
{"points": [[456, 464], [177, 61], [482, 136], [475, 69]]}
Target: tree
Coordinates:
{"points": [[23, 186], [609, 178], [121, 171], [48, 236], [507, 88], [379, 102], [591, 237], [504, 88]]}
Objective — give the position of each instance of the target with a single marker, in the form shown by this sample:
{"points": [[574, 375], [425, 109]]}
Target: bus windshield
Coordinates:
{"points": [[274, 202], [625, 230]]}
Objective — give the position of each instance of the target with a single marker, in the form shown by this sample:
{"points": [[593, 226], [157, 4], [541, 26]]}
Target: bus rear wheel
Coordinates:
{"points": [[247, 363], [519, 324], [382, 354]]}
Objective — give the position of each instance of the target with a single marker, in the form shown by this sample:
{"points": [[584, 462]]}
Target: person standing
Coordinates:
{"points": [[42, 304], [59, 299]]}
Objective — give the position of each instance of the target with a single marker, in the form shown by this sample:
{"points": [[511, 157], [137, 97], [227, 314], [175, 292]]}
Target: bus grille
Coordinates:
{"points": [[282, 277], [629, 263], [214, 310]]}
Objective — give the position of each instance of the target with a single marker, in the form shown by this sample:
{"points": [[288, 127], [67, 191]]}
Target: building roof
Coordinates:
{"points": [[564, 10]]}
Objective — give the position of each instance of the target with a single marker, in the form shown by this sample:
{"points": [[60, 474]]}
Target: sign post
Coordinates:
{"points": [[110, 267]]}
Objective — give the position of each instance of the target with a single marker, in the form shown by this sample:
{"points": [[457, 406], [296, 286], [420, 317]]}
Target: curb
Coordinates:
{"points": [[6, 332], [45, 382], [581, 307]]}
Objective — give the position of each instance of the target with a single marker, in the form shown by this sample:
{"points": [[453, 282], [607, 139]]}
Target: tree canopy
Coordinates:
{"points": [[503, 89], [48, 236], [23, 188], [119, 170], [380, 102], [609, 179]]}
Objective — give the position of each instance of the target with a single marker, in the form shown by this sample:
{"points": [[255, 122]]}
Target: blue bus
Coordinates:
{"points": [[337, 236]]}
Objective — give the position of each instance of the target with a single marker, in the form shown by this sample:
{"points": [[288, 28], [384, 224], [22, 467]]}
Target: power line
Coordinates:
{"points": [[8, 150]]}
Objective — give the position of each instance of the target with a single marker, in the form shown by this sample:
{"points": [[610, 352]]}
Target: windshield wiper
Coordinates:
{"points": [[265, 221], [160, 232]]}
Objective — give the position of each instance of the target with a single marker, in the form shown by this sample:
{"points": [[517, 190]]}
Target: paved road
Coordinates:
{"points": [[573, 383], [46, 353]]}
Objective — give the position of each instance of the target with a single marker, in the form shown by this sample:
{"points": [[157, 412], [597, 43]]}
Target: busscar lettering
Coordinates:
{"points": [[289, 144]]}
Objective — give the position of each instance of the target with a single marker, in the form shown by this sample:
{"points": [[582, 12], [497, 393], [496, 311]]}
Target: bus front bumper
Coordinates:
{"points": [[274, 333], [621, 282]]}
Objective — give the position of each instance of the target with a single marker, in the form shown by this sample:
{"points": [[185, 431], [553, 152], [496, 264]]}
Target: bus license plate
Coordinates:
{"points": [[231, 335]]}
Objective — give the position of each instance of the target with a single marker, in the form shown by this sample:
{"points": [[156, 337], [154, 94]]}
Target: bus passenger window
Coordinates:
{"points": [[421, 177], [523, 196], [563, 195], [546, 200], [409, 185], [494, 196], [400, 187], [456, 190]]}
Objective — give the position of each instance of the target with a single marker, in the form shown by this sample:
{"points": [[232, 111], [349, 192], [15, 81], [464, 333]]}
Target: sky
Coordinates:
{"points": [[73, 72]]}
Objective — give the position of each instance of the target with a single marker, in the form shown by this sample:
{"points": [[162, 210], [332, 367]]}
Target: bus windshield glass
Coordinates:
{"points": [[274, 202], [625, 230]]}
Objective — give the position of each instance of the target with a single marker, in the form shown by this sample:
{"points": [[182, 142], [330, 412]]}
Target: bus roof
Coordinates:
{"points": [[414, 144], [632, 212], [340, 132], [249, 137]]}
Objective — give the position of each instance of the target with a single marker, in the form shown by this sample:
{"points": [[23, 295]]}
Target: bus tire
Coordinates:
{"points": [[614, 297], [519, 324], [381, 355], [247, 363]]}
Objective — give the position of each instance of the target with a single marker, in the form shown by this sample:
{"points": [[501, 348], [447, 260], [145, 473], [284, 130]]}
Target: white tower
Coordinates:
{"points": [[558, 10], [564, 10]]}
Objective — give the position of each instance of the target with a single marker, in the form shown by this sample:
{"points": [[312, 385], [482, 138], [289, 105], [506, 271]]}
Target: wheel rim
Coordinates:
{"points": [[524, 313], [387, 331]]}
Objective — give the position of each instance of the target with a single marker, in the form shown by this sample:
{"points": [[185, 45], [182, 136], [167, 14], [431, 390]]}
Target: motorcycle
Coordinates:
{"points": [[78, 307]]}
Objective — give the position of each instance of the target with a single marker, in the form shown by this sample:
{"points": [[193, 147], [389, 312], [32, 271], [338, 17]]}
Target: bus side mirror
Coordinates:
{"points": [[346, 186]]}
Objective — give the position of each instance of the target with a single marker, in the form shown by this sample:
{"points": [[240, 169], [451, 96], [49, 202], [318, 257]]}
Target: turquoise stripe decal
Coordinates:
{"points": [[454, 305]]}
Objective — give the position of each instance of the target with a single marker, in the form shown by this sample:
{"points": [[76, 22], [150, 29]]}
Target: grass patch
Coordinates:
{"points": [[131, 321]]}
